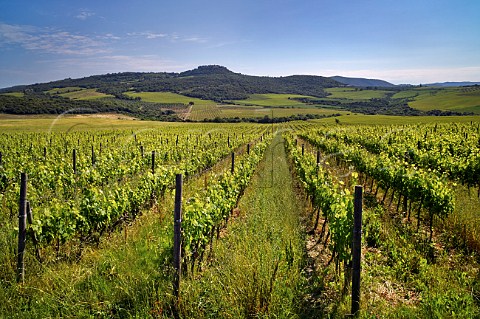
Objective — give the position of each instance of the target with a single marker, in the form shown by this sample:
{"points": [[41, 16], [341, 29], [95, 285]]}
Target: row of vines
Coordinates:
{"points": [[82, 185]]}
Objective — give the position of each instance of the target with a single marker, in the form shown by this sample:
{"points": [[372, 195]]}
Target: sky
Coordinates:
{"points": [[408, 41]]}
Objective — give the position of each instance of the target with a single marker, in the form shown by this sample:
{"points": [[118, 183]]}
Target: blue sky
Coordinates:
{"points": [[409, 41]]}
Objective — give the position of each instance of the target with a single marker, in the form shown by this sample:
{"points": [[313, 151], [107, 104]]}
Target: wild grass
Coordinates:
{"points": [[123, 277], [404, 275], [462, 228], [255, 268]]}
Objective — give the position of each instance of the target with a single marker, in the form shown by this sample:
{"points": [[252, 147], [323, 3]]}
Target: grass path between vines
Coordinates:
{"points": [[256, 268]]}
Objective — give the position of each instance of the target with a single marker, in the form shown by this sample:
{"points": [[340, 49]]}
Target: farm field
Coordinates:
{"points": [[257, 106], [238, 111], [355, 93], [169, 106], [168, 97], [456, 99], [272, 100], [270, 238], [77, 93]]}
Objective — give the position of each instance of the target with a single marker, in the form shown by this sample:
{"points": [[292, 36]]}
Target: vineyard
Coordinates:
{"points": [[266, 227]]}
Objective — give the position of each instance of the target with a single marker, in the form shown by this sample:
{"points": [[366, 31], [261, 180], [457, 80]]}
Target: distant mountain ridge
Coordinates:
{"points": [[450, 84], [362, 82]]}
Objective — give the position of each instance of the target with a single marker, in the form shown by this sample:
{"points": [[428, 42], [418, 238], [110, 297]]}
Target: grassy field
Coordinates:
{"points": [[85, 94], [63, 90], [168, 97], [16, 94], [273, 100], [454, 99], [78, 93], [355, 94], [70, 123]]}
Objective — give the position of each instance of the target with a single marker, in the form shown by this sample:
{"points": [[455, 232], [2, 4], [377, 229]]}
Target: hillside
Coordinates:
{"points": [[213, 92], [210, 82], [361, 82]]}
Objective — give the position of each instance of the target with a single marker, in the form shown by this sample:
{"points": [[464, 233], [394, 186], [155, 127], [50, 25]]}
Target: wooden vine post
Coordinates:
{"points": [[177, 236], [357, 249], [233, 162], [153, 162], [22, 230], [74, 161]]}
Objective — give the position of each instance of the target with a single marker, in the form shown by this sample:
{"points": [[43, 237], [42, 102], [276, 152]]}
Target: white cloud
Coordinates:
{"points": [[109, 36], [84, 14], [173, 37], [118, 63], [49, 40], [195, 40], [147, 34]]}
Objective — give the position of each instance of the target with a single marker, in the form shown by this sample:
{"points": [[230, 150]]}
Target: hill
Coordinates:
{"points": [[362, 82], [211, 82]]}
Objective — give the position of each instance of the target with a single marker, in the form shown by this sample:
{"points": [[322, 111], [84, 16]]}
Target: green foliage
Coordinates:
{"points": [[113, 189], [372, 227], [389, 171], [205, 212], [335, 203], [46, 104]]}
